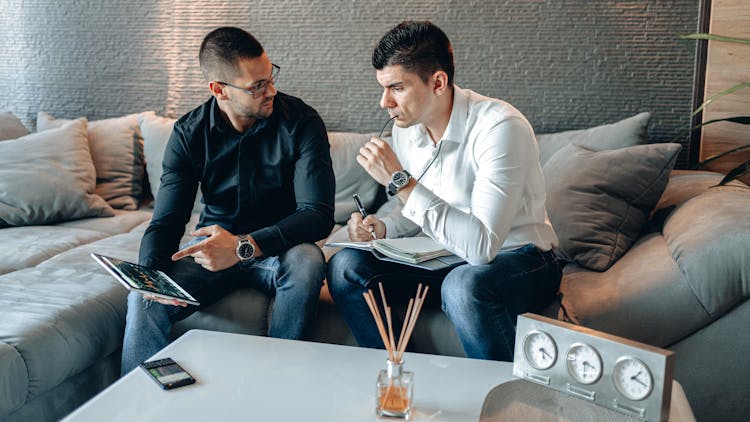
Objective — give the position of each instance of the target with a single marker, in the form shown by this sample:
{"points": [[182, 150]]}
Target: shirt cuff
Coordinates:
{"points": [[269, 240], [417, 205]]}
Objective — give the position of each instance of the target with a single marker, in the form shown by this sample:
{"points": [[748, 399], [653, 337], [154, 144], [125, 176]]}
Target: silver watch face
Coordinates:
{"points": [[245, 250], [400, 179]]}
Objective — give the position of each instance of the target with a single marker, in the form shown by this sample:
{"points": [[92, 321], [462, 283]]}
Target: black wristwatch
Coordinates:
{"points": [[245, 248], [399, 179]]}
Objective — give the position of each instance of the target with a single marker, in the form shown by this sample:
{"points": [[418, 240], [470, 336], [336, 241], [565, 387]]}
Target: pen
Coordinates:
{"points": [[362, 211]]}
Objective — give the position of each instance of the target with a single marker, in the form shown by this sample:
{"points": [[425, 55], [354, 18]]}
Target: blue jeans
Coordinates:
{"points": [[294, 277], [482, 301]]}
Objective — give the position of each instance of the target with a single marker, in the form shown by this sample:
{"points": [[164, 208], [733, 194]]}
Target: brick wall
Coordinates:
{"points": [[566, 64]]}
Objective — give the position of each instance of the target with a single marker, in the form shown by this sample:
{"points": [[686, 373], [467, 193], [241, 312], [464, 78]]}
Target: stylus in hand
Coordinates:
{"points": [[362, 211]]}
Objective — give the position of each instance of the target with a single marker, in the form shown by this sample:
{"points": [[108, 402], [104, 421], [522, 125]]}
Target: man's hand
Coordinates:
{"points": [[359, 229], [215, 253], [379, 160]]}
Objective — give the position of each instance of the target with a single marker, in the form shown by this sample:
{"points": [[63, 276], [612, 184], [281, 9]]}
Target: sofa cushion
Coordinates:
{"points": [[67, 307], [625, 133], [122, 222], [644, 296], [156, 131], [23, 247], [68, 312], [11, 127], [350, 177], [47, 177], [14, 383], [117, 151], [599, 201]]}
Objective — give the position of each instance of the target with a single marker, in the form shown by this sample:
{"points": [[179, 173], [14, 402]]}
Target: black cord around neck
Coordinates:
{"points": [[434, 157]]}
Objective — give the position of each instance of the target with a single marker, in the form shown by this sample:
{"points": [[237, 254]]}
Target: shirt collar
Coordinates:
{"points": [[217, 123], [456, 129]]}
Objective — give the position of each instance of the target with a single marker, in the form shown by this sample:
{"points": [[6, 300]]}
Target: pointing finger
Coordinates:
{"points": [[187, 251]]}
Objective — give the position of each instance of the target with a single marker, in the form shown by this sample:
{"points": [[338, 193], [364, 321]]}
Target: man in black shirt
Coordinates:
{"points": [[262, 161]]}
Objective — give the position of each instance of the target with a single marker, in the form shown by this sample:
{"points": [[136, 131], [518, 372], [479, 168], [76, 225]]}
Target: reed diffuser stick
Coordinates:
{"points": [[395, 347], [403, 326], [369, 298], [412, 322]]}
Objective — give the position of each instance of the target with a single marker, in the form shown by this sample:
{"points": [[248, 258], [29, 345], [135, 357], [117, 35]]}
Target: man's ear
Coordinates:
{"points": [[440, 82], [217, 90]]}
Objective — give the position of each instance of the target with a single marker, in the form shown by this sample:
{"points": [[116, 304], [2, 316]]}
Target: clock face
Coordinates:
{"points": [[632, 378], [400, 179], [540, 350], [246, 250], [583, 363]]}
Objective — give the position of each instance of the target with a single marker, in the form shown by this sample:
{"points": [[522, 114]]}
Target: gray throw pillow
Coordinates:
{"points": [[11, 127], [117, 151], [625, 133], [47, 177], [156, 131], [598, 202]]}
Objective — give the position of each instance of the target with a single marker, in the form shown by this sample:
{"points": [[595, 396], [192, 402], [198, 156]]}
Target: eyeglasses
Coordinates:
{"points": [[260, 87]]}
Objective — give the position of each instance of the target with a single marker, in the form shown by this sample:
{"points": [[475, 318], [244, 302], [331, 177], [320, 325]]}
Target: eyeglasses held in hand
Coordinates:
{"points": [[259, 88]]}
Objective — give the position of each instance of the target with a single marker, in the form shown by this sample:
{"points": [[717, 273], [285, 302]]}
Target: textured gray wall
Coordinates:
{"points": [[566, 64]]}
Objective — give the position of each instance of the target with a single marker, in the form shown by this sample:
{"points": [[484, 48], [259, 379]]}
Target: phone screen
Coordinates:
{"points": [[168, 374]]}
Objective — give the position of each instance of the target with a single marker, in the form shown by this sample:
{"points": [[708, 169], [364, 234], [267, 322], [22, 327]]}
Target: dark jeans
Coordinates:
{"points": [[482, 301], [295, 278]]}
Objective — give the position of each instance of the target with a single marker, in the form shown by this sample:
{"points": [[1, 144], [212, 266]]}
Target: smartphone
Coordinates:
{"points": [[167, 373]]}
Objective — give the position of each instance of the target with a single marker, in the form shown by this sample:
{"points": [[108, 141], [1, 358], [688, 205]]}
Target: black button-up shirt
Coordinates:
{"points": [[275, 181]]}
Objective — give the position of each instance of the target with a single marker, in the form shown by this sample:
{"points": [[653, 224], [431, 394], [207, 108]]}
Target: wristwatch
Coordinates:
{"points": [[245, 249], [399, 179]]}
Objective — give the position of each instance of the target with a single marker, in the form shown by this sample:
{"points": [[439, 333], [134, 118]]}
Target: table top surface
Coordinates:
{"points": [[241, 377]]}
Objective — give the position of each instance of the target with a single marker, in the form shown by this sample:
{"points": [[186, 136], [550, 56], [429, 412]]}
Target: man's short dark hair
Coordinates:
{"points": [[222, 48], [420, 47]]}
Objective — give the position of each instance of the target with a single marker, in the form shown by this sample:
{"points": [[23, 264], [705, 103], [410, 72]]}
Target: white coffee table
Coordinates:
{"points": [[242, 377]]}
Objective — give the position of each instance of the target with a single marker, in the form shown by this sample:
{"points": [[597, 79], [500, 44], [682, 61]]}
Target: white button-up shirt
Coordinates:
{"points": [[485, 190]]}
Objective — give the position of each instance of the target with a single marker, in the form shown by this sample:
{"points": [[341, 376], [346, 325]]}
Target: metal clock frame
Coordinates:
{"points": [[602, 392]]}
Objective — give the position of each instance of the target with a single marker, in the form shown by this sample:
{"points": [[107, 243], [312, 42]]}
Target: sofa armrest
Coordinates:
{"points": [[709, 239], [686, 184]]}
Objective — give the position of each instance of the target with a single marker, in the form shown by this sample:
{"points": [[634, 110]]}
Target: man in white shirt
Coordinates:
{"points": [[465, 169]]}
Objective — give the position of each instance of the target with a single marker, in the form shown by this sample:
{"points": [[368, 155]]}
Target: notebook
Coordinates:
{"points": [[422, 252]]}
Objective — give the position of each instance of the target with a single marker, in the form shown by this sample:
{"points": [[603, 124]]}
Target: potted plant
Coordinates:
{"points": [[742, 168]]}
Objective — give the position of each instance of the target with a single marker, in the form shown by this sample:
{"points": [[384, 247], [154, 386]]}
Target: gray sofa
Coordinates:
{"points": [[681, 283]]}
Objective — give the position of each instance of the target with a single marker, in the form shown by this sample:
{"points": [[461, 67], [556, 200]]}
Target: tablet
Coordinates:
{"points": [[144, 280]]}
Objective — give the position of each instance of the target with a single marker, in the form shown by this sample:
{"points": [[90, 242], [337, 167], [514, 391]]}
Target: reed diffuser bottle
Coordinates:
{"points": [[394, 389]]}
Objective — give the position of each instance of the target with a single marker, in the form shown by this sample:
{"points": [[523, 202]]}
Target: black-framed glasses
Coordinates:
{"points": [[259, 88]]}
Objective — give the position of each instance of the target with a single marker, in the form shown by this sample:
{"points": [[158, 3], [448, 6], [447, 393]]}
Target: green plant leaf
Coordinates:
{"points": [[715, 97], [735, 173], [703, 163], [743, 120], [713, 37]]}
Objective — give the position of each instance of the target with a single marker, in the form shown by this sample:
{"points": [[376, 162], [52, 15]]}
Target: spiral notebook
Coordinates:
{"points": [[421, 252]]}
